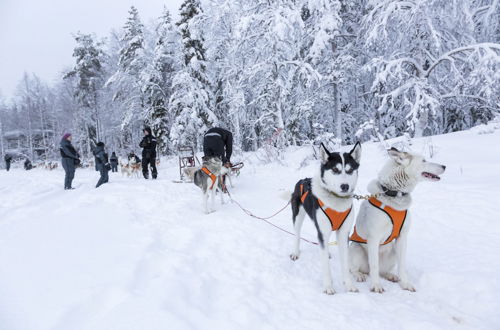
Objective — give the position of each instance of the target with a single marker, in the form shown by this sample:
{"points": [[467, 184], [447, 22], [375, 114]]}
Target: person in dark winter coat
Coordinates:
{"points": [[70, 159], [113, 160], [148, 144], [8, 159], [218, 142], [27, 164], [102, 163]]}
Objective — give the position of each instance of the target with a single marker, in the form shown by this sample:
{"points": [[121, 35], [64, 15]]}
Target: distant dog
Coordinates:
{"points": [[327, 200], [380, 235], [50, 165], [133, 168], [208, 178], [125, 170]]}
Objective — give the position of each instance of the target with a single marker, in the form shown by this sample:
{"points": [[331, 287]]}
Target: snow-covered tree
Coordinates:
{"points": [[127, 81], [191, 101], [158, 80], [89, 79]]}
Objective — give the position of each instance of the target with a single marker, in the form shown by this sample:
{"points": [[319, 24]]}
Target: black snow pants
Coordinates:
{"points": [[104, 175], [151, 161]]}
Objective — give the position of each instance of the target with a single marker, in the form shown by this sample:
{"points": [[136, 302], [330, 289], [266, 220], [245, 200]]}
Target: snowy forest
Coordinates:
{"points": [[276, 73]]}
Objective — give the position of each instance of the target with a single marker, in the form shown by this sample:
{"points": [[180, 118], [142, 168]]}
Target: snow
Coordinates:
{"points": [[138, 254]]}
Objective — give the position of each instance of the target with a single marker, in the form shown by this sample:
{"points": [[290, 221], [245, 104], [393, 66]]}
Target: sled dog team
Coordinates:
{"points": [[379, 240]]}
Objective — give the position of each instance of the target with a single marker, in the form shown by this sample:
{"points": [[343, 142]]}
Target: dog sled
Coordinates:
{"points": [[189, 164]]}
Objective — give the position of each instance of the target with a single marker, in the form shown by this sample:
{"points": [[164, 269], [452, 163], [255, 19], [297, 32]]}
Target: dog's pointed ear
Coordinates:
{"points": [[324, 153], [356, 152], [399, 157]]}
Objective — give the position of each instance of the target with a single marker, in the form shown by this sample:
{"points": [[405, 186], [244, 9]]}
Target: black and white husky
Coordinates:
{"points": [[208, 178], [381, 231], [327, 200]]}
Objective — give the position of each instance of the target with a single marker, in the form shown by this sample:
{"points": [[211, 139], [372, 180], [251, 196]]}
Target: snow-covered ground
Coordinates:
{"points": [[138, 254]]}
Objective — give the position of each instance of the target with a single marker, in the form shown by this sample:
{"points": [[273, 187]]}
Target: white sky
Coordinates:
{"points": [[36, 35]]}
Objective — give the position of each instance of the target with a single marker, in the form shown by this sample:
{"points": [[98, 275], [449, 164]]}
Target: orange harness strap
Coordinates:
{"points": [[211, 175], [397, 218], [336, 218]]}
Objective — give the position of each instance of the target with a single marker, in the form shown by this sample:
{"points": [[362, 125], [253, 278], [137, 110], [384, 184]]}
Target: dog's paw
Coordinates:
{"points": [[407, 286], [377, 288], [360, 277], [329, 291], [349, 287], [294, 256], [390, 277]]}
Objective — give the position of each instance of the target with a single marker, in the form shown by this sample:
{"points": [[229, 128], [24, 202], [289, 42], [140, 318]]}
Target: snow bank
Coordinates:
{"points": [[138, 254]]}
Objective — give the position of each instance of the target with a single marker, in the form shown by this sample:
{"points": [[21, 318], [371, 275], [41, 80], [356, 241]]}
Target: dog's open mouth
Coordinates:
{"points": [[430, 176]]}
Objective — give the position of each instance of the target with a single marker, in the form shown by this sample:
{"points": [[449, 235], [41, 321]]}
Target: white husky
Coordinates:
{"points": [[380, 235]]}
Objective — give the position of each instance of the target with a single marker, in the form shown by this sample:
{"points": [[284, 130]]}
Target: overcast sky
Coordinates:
{"points": [[36, 35]]}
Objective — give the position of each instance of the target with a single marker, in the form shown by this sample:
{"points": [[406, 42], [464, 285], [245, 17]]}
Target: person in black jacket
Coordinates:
{"points": [[218, 142], [27, 164], [8, 159], [148, 144], [113, 160], [70, 159], [102, 163]]}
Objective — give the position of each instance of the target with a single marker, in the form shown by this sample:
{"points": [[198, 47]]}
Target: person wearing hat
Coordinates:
{"points": [[8, 159], [102, 163], [27, 164], [69, 160], [148, 144], [113, 160]]}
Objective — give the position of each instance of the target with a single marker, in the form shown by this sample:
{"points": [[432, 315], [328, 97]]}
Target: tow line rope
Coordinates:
{"points": [[266, 219]]}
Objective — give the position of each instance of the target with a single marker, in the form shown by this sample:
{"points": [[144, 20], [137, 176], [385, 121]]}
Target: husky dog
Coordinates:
{"points": [[327, 200], [125, 169], [189, 172], [208, 178], [380, 235], [134, 167]]}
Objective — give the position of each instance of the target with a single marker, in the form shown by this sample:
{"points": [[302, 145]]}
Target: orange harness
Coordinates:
{"points": [[397, 218], [336, 218], [211, 175]]}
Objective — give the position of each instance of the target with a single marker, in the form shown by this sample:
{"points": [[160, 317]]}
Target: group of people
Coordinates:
{"points": [[8, 160], [217, 142], [70, 159]]}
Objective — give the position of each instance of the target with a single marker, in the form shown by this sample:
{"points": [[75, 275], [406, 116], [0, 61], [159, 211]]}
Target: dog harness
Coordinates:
{"points": [[336, 218], [397, 218], [211, 175]]}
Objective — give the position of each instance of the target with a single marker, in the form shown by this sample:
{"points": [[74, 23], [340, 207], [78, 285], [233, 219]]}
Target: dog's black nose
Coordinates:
{"points": [[444, 167], [344, 187]]}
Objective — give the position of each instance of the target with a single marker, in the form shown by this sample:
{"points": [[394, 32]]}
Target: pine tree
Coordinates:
{"points": [[192, 98], [158, 86], [89, 79], [127, 81]]}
